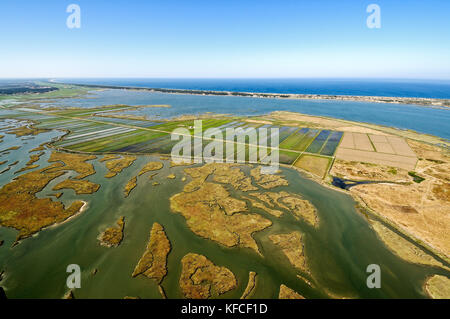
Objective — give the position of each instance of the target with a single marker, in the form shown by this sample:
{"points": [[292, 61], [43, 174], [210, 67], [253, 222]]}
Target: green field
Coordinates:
{"points": [[90, 133]]}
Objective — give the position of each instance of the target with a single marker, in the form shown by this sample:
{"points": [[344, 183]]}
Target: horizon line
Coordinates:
{"points": [[226, 78]]}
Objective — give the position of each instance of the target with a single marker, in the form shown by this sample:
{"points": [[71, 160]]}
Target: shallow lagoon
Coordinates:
{"points": [[427, 120], [338, 252]]}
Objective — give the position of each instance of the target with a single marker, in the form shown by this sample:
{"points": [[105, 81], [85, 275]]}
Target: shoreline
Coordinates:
{"points": [[429, 102], [362, 208], [80, 211]]}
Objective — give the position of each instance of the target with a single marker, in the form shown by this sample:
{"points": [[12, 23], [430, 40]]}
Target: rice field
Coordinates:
{"points": [[88, 132], [287, 157], [332, 143], [300, 140], [316, 146]]}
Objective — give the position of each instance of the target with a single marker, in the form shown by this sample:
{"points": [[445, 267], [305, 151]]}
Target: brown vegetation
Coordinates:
{"points": [[258, 204], [26, 130], [151, 166], [222, 173], [301, 208], [314, 164], [402, 247], [30, 164], [37, 149], [130, 186], [22, 210], [267, 181], [34, 158], [72, 162], [115, 166], [292, 247], [212, 213], [80, 187], [26, 168], [418, 209], [288, 293], [295, 204], [112, 237], [153, 263], [438, 287], [201, 279], [109, 157], [251, 285]]}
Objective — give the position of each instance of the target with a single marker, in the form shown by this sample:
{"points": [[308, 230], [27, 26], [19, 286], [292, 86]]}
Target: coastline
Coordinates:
{"points": [[80, 211], [429, 102], [362, 207]]}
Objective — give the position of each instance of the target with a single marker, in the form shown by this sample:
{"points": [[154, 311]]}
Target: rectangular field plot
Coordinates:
{"points": [[271, 132], [117, 142], [96, 134], [318, 142], [306, 141], [400, 146], [362, 142], [377, 158], [314, 141], [383, 147], [377, 149], [330, 146], [139, 123], [292, 140], [80, 137], [247, 153], [347, 141], [170, 126], [57, 122], [378, 138], [316, 165], [287, 157], [285, 132], [150, 142], [300, 140], [214, 123]]}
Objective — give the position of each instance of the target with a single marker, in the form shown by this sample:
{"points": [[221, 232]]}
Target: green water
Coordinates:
{"points": [[338, 252]]}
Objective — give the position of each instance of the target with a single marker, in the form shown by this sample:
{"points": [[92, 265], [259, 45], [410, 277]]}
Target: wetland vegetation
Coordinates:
{"points": [[215, 230]]}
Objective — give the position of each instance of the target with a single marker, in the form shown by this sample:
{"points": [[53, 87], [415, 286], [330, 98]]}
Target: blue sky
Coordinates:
{"points": [[230, 39]]}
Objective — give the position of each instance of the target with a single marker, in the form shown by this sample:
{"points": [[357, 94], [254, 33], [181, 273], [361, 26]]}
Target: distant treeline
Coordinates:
{"points": [[153, 89], [19, 90], [371, 99], [186, 91]]}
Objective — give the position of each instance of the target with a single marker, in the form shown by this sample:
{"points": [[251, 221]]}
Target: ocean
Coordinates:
{"points": [[366, 87]]}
